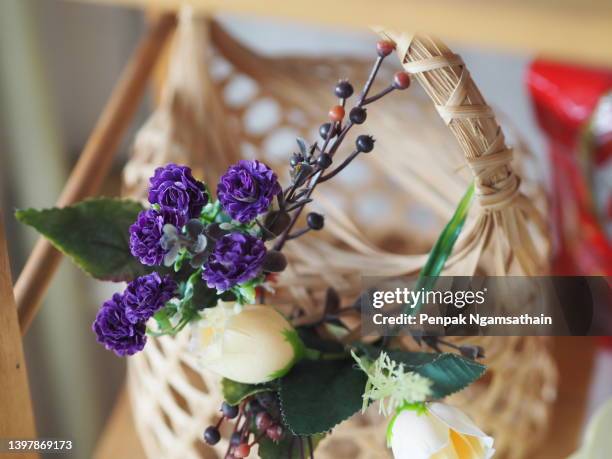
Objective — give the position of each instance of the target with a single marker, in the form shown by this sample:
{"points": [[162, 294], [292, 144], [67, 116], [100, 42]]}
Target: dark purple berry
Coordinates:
{"points": [[263, 421], [324, 160], [315, 221], [253, 406], [274, 432], [276, 221], [229, 411], [212, 435], [358, 115], [235, 439], [274, 262], [343, 89], [268, 400], [365, 143], [324, 130]]}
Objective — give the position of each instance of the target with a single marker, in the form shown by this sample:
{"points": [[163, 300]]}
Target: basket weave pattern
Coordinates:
{"points": [[222, 102]]}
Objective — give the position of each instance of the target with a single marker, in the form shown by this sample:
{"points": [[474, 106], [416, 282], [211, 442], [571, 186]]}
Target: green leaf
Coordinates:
{"points": [[210, 211], [449, 372], [443, 247], [235, 392], [203, 296], [269, 449], [163, 320], [94, 233], [196, 295], [245, 293], [312, 340], [315, 396]]}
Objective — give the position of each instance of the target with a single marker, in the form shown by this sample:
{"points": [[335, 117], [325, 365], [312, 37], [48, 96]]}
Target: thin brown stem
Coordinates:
{"points": [[229, 446], [298, 233], [259, 437], [370, 80], [339, 169], [220, 421], [316, 177], [310, 447], [341, 137], [283, 238], [380, 95]]}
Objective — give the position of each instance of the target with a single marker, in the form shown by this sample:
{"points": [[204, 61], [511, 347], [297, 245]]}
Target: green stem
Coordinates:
{"points": [[443, 247], [313, 354], [333, 356]]}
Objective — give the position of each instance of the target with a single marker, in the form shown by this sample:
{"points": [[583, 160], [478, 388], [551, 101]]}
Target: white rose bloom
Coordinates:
{"points": [[255, 345], [442, 432]]}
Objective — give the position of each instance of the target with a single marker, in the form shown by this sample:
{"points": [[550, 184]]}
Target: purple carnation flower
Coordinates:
{"points": [[247, 189], [146, 234], [145, 295], [237, 258], [115, 331], [174, 189]]}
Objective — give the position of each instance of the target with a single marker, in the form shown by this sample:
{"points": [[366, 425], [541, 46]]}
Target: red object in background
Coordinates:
{"points": [[605, 341], [564, 98]]}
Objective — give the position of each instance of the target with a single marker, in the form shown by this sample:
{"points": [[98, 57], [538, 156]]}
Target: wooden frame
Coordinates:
{"points": [[16, 415], [577, 30], [94, 163]]}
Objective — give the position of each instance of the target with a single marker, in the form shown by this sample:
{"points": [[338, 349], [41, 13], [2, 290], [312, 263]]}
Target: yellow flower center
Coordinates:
{"points": [[461, 447]]}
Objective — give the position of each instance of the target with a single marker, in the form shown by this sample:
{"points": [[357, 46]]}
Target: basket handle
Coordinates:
{"points": [[447, 81]]}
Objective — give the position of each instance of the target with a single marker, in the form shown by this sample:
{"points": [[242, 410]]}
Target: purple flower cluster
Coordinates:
{"points": [[146, 233], [237, 258], [121, 321], [115, 331], [177, 197], [174, 188], [145, 295], [247, 189]]}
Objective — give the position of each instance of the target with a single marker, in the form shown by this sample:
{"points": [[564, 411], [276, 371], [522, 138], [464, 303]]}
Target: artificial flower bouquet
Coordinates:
{"points": [[206, 266]]}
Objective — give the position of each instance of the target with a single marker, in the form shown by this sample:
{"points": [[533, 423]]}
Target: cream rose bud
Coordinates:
{"points": [[250, 345], [441, 432]]}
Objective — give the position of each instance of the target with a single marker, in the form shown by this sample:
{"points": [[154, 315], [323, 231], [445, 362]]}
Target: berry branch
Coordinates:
{"points": [[308, 170]]}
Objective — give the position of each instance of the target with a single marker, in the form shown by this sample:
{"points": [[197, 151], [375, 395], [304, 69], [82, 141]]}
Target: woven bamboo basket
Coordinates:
{"points": [[221, 102]]}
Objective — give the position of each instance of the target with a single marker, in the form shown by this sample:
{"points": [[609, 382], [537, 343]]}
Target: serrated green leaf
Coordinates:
{"points": [[235, 392], [449, 372], [94, 233], [282, 449], [315, 396]]}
